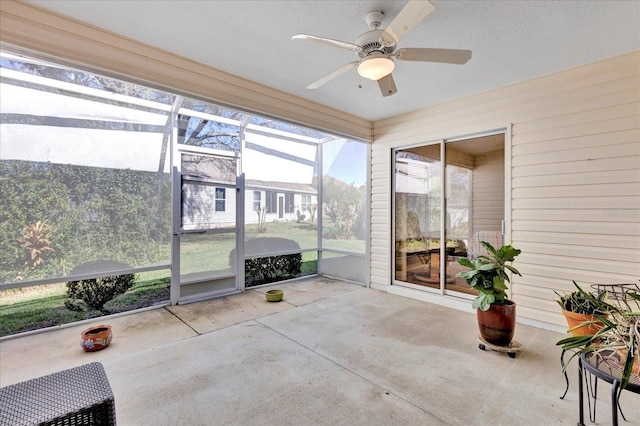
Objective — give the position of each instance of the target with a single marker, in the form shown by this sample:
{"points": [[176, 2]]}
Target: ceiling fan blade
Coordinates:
{"points": [[327, 78], [410, 16], [447, 56], [328, 42], [387, 85]]}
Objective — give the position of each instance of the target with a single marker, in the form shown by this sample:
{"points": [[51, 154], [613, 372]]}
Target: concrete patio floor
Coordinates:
{"points": [[332, 353]]}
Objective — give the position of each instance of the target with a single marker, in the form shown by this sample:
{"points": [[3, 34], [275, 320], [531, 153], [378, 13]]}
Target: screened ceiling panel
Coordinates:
{"points": [[111, 149], [24, 100], [269, 159], [265, 167], [291, 147]]}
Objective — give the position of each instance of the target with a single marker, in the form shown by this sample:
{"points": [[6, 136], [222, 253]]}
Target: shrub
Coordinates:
{"points": [[331, 232], [95, 292], [268, 269], [36, 240]]}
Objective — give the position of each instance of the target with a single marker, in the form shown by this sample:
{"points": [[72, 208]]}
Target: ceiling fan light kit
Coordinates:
{"points": [[375, 67], [376, 47]]}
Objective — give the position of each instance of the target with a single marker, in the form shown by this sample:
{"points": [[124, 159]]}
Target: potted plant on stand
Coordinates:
{"points": [[579, 309], [616, 343], [489, 276]]}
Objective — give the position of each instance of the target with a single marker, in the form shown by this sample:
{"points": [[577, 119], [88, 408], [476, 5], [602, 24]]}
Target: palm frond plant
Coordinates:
{"points": [[36, 240], [583, 302], [579, 308]]}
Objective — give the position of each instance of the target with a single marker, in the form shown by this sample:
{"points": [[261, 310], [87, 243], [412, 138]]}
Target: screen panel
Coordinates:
{"points": [[85, 170]]}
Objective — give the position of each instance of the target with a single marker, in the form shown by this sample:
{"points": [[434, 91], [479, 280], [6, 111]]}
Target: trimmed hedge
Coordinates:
{"points": [[268, 269], [94, 293]]}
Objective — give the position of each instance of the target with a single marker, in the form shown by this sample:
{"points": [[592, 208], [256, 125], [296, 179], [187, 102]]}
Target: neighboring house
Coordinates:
{"points": [[280, 200]]}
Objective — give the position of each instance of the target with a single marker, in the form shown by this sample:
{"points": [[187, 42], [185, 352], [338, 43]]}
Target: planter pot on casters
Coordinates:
{"points": [[498, 324]]}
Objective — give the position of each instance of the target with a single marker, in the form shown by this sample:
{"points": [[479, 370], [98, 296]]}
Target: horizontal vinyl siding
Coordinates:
{"points": [[488, 192], [380, 215], [575, 175], [28, 27]]}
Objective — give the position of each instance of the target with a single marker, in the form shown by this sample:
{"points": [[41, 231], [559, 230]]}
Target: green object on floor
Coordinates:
{"points": [[274, 295]]}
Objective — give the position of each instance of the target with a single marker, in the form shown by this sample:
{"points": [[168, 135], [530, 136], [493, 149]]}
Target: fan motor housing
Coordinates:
{"points": [[370, 42]]}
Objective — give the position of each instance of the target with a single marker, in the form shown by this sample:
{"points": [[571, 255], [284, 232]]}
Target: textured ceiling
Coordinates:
{"points": [[511, 41]]}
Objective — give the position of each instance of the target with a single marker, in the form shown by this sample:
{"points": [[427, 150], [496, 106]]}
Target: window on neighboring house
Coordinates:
{"points": [[221, 194], [271, 201], [256, 201], [306, 202], [289, 206]]}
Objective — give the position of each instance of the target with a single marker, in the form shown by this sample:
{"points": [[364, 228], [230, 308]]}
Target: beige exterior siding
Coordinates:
{"points": [[380, 215], [575, 176], [31, 28], [488, 192]]}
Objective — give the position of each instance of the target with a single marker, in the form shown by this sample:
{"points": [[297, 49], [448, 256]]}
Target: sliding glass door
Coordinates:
{"points": [[449, 196], [459, 202], [418, 212]]}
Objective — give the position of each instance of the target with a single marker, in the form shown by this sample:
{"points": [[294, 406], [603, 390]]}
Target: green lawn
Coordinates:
{"points": [[202, 253], [32, 308], [43, 306]]}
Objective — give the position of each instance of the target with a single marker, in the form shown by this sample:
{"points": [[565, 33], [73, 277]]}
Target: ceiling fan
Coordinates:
{"points": [[376, 48]]}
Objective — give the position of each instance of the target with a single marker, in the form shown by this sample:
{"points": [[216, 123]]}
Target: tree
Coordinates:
{"points": [[344, 205], [312, 209]]}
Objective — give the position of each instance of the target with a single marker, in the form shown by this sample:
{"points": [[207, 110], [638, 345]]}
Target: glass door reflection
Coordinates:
{"points": [[458, 180], [418, 210]]}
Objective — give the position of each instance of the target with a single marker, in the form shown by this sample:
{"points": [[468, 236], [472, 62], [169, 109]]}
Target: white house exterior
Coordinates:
{"points": [[280, 201]]}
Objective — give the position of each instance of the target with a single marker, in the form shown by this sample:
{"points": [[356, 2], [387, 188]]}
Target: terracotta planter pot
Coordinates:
{"points": [[96, 338], [498, 324], [574, 321]]}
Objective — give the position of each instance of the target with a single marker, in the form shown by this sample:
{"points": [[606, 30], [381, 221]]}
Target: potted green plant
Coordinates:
{"points": [[579, 308], [489, 276], [616, 343]]}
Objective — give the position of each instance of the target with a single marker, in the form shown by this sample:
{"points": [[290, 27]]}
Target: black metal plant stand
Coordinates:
{"points": [[601, 368], [617, 294]]}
